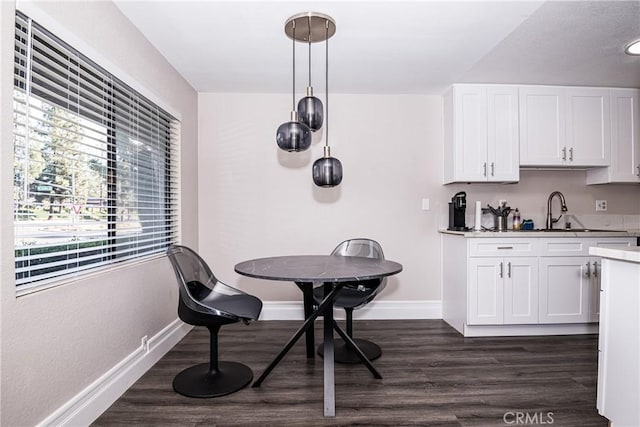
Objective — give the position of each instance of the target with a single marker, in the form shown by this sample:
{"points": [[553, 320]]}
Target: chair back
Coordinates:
{"points": [[366, 248], [197, 283]]}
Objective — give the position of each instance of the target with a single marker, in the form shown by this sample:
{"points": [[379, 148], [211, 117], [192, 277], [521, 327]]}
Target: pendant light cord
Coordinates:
{"points": [[293, 91], [309, 51], [326, 86]]}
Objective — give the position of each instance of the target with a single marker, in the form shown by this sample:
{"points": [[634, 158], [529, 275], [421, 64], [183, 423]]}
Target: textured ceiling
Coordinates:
{"points": [[395, 46]]}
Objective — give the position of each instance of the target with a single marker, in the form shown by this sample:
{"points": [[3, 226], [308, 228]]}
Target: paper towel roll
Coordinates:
{"points": [[478, 225]]}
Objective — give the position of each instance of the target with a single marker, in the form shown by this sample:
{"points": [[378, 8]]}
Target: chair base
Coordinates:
{"points": [[197, 381], [343, 354]]}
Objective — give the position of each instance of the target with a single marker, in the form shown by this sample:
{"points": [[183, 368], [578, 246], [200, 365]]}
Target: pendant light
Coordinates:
{"points": [[310, 107], [327, 170], [293, 135]]}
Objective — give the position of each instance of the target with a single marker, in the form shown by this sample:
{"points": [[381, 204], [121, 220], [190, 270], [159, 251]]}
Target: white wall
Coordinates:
{"points": [[256, 200], [54, 343]]}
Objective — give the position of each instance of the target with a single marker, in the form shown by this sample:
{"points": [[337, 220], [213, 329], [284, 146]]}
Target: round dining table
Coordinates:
{"points": [[332, 272]]}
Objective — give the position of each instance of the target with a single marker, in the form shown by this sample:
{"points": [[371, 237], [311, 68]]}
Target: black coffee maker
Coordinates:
{"points": [[457, 208]]}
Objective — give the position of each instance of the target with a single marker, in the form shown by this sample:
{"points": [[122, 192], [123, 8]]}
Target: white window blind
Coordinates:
{"points": [[95, 169]]}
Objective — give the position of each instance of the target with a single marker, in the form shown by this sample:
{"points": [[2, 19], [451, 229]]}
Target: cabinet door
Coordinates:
{"points": [[625, 135], [521, 290], [542, 125], [503, 147], [564, 290], [485, 303], [588, 127], [470, 133]]}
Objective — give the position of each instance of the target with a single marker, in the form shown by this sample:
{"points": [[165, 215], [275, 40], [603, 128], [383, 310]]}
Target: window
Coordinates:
{"points": [[95, 169]]}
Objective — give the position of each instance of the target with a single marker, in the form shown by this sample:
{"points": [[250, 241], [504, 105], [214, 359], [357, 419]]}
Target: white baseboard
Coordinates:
{"points": [[86, 406], [529, 330], [375, 310]]}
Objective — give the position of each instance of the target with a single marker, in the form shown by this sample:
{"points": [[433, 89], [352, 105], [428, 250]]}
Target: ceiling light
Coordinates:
{"points": [[633, 48], [311, 27], [293, 135], [327, 170], [310, 107]]}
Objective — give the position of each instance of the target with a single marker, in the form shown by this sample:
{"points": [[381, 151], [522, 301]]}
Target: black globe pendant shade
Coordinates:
{"points": [[310, 111], [293, 136], [327, 170]]}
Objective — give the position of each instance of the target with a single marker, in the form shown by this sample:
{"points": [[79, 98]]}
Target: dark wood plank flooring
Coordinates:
{"points": [[432, 377]]}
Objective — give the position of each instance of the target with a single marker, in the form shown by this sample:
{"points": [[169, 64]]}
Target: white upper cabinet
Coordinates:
{"points": [[503, 147], [542, 125], [564, 126], [588, 126], [481, 134], [625, 140]]}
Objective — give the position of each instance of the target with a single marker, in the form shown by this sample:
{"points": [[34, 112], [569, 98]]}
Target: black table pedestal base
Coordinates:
{"points": [[199, 381], [344, 354]]}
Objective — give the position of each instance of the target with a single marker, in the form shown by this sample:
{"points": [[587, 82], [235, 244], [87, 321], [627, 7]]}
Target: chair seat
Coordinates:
{"points": [[350, 296], [242, 305]]}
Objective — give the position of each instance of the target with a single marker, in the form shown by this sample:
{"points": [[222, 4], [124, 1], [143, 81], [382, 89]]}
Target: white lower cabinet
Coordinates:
{"points": [[522, 286], [565, 290], [503, 291], [570, 279], [618, 396], [521, 291]]}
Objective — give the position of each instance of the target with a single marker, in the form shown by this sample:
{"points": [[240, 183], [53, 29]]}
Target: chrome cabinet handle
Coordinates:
{"points": [[564, 153], [638, 167], [505, 247], [508, 269], [588, 273], [485, 169], [595, 268], [501, 270], [493, 169], [571, 154]]}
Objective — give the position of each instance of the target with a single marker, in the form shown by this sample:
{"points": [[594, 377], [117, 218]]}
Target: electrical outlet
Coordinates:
{"points": [[601, 205], [145, 344]]}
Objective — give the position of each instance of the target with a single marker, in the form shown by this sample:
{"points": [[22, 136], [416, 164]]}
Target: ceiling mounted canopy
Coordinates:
{"points": [[310, 26]]}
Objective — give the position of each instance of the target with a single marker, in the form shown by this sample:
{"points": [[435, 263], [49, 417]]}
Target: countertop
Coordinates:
{"points": [[534, 233], [622, 254]]}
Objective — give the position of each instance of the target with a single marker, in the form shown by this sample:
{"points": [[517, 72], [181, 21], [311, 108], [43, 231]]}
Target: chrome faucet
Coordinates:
{"points": [[563, 206]]}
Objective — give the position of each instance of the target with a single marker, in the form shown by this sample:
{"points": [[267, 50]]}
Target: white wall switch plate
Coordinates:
{"points": [[425, 204], [601, 205]]}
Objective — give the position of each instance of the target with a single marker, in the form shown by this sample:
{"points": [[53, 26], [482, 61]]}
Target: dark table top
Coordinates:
{"points": [[317, 268]]}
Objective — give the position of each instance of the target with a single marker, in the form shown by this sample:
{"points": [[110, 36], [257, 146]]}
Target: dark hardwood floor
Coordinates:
{"points": [[432, 377]]}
